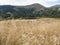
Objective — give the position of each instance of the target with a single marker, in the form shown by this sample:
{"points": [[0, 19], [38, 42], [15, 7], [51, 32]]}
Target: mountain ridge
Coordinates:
{"points": [[29, 11], [32, 5]]}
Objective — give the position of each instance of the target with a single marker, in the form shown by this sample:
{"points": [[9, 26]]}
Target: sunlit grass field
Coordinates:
{"points": [[43, 31]]}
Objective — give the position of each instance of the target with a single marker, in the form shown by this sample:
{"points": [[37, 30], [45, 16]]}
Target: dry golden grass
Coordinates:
{"points": [[44, 31]]}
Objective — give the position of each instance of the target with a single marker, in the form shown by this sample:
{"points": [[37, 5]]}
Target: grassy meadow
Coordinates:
{"points": [[43, 31]]}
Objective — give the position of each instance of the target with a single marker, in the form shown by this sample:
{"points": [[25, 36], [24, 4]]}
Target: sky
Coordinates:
{"points": [[46, 3]]}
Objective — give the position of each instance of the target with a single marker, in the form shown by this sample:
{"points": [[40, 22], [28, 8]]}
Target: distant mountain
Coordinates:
{"points": [[56, 6], [28, 11], [36, 5]]}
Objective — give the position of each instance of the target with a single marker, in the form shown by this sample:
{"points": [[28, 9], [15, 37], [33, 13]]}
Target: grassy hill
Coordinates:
{"points": [[44, 31]]}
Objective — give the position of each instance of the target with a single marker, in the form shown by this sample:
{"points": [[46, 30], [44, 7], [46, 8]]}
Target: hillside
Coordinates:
{"points": [[29, 11], [44, 31]]}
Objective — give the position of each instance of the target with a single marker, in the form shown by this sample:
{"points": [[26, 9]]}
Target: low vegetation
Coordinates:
{"points": [[44, 31]]}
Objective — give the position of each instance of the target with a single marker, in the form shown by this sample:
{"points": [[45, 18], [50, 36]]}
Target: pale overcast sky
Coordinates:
{"points": [[46, 3]]}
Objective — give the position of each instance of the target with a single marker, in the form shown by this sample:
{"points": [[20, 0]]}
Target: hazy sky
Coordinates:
{"points": [[27, 2]]}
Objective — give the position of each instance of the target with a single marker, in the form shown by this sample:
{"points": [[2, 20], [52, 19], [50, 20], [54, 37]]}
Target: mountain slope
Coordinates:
{"points": [[29, 11]]}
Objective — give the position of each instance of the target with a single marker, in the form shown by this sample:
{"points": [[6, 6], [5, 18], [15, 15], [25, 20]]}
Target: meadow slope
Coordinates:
{"points": [[44, 31]]}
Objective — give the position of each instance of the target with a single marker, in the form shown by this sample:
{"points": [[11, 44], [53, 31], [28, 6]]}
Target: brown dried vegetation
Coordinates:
{"points": [[44, 31]]}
